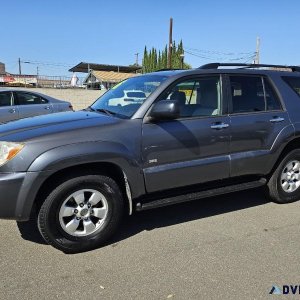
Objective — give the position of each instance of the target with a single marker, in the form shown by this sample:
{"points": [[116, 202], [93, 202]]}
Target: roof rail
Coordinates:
{"points": [[168, 69], [217, 65]]}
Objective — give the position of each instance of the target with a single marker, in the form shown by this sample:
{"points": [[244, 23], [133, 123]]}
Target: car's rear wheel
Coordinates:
{"points": [[284, 184], [81, 213]]}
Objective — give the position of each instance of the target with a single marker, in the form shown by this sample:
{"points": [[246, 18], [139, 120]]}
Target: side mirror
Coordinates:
{"points": [[165, 110]]}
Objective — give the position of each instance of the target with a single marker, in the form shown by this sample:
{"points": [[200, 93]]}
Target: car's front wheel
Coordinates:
{"points": [[81, 213], [284, 184]]}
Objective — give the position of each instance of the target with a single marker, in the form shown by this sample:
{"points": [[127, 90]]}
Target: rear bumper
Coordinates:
{"points": [[10, 189]]}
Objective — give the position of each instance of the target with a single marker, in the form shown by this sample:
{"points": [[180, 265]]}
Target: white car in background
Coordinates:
{"points": [[130, 97]]}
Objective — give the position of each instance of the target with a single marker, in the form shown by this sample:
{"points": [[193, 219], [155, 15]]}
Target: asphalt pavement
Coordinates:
{"points": [[229, 247]]}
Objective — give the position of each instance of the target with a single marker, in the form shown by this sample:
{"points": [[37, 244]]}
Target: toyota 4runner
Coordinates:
{"points": [[194, 133]]}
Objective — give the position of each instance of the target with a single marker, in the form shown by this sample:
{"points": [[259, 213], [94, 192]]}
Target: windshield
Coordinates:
{"points": [[124, 99]]}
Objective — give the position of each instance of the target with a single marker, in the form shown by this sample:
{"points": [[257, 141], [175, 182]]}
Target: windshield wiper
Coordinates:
{"points": [[88, 109], [108, 112]]}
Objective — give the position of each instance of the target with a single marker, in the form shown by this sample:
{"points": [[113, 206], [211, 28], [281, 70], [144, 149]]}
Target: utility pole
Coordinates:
{"points": [[37, 76], [137, 59], [20, 71], [170, 45], [257, 54]]}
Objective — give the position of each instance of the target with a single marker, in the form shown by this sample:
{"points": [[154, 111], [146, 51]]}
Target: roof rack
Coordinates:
{"points": [[167, 69], [217, 65]]}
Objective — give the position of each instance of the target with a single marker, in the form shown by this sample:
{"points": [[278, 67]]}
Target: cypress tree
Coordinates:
{"points": [[155, 59], [159, 61], [145, 60]]}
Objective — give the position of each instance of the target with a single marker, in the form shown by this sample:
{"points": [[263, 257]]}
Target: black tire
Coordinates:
{"points": [[48, 216], [275, 190]]}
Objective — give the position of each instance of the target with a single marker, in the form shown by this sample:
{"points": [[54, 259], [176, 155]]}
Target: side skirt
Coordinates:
{"points": [[202, 194]]}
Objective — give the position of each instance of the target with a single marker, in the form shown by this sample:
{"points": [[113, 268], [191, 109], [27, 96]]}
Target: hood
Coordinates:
{"points": [[53, 124]]}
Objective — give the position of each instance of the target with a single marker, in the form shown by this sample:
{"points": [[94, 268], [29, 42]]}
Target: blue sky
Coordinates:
{"points": [[63, 33]]}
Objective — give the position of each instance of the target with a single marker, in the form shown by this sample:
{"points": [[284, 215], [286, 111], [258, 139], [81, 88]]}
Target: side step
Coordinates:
{"points": [[202, 194]]}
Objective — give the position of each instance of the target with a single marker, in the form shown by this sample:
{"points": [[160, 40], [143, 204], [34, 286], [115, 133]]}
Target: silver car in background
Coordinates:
{"points": [[18, 104]]}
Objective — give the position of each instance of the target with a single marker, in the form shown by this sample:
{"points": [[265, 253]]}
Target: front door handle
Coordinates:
{"points": [[47, 107], [219, 126], [276, 119], [12, 110]]}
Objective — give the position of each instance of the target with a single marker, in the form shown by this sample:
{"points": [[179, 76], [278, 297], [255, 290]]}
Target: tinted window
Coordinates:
{"points": [[5, 99], [197, 97], [27, 99], [272, 100], [247, 94], [294, 83]]}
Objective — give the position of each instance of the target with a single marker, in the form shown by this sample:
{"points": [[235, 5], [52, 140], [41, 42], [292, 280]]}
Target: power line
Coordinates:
{"points": [[53, 64], [197, 55], [213, 52], [241, 58]]}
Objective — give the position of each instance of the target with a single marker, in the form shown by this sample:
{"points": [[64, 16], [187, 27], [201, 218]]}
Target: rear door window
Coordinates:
{"points": [[252, 94], [272, 100], [28, 98]]}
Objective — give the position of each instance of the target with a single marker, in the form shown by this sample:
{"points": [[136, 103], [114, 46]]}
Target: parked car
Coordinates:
{"points": [[133, 96], [17, 104], [199, 133]]}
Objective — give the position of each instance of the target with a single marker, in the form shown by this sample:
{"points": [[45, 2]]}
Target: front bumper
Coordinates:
{"points": [[10, 188], [17, 193]]}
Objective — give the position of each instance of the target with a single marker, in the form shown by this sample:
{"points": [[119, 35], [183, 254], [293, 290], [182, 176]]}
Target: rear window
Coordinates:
{"points": [[293, 82]]}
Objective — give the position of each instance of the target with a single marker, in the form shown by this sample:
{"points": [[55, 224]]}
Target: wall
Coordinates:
{"points": [[80, 98]]}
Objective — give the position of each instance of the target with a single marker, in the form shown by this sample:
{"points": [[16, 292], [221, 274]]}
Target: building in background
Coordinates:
{"points": [[2, 68], [104, 76], [98, 76], [9, 79]]}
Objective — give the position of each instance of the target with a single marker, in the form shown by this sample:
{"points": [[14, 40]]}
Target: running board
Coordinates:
{"points": [[202, 194]]}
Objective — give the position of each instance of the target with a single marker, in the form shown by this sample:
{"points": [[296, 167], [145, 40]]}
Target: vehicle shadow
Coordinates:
{"points": [[167, 216], [189, 211]]}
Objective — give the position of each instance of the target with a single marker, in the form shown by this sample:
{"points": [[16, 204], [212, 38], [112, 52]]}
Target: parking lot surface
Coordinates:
{"points": [[230, 247]]}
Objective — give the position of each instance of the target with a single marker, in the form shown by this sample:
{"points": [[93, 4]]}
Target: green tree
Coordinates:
{"points": [[157, 59], [145, 61]]}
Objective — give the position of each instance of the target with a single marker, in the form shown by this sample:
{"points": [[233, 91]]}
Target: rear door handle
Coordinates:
{"points": [[276, 119], [219, 126], [47, 107], [12, 110]]}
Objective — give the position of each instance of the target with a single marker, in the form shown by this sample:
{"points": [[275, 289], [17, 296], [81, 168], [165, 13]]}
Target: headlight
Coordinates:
{"points": [[9, 150]]}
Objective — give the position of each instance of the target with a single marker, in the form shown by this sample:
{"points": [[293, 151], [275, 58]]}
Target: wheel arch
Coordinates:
{"points": [[290, 146], [99, 168]]}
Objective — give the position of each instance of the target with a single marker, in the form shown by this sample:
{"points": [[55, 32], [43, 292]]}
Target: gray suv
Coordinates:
{"points": [[191, 134]]}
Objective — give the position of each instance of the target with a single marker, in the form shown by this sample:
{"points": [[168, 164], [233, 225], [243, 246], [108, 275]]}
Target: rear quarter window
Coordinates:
{"points": [[294, 83]]}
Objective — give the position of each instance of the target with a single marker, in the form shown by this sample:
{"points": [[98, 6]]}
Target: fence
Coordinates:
{"points": [[58, 82]]}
